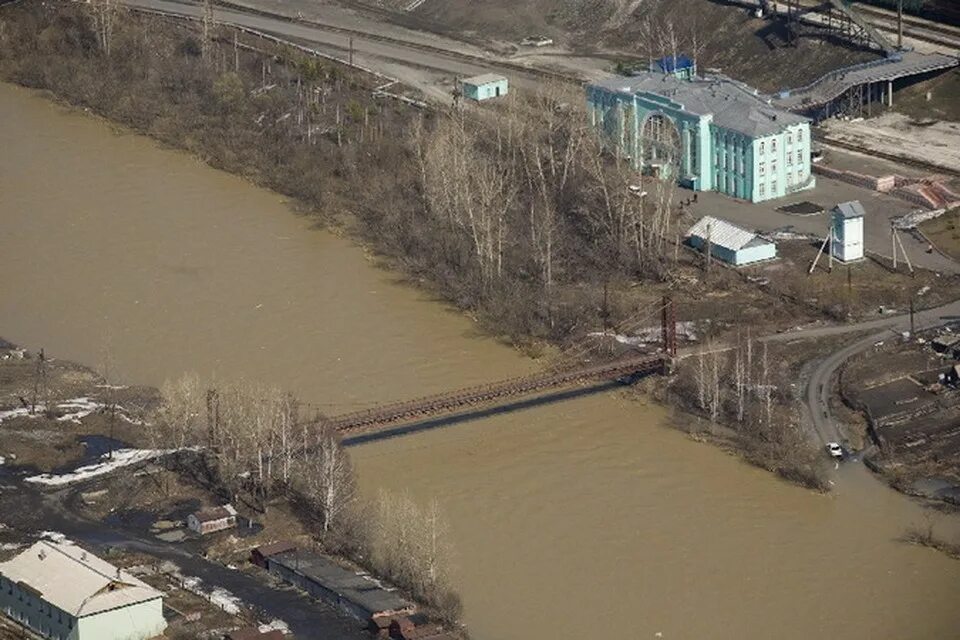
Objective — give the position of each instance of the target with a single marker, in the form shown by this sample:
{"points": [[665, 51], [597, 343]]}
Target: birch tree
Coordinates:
{"points": [[331, 479]]}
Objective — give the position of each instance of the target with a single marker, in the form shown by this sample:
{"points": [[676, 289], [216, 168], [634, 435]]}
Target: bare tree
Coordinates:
{"points": [[331, 480], [180, 420]]}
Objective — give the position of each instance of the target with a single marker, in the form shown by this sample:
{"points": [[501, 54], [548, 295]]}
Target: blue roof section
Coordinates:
{"points": [[670, 64]]}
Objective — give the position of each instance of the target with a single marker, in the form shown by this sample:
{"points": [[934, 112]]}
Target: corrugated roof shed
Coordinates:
{"points": [[484, 78], [733, 105], [75, 581], [723, 234], [852, 209]]}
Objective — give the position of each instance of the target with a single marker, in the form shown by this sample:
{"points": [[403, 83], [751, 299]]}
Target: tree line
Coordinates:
{"points": [[254, 442]]}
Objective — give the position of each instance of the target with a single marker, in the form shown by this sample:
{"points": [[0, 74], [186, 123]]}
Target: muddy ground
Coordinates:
{"points": [[912, 414]]}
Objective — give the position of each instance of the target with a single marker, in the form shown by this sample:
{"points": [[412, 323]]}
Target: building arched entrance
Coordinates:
{"points": [[661, 143]]}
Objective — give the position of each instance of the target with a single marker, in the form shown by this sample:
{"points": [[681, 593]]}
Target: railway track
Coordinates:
{"points": [[419, 46]]}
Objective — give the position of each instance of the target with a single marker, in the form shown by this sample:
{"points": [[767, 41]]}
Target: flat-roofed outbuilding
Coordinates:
{"points": [[358, 594]]}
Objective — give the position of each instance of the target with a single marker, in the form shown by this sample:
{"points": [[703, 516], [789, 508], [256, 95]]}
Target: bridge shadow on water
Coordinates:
{"points": [[479, 413]]}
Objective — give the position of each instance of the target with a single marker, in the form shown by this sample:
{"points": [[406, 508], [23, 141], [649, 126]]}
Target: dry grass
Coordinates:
{"points": [[944, 232]]}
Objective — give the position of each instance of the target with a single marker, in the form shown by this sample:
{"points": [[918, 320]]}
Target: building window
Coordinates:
{"points": [[789, 160], [762, 170], [773, 166], [773, 146], [763, 190], [773, 186], [799, 135], [789, 139], [799, 156], [763, 147]]}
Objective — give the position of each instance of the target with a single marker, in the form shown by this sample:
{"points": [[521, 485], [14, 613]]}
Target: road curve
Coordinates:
{"points": [[819, 384]]}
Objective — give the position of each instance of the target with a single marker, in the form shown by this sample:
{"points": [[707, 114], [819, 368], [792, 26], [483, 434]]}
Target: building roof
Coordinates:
{"points": [[358, 588], [852, 209], [215, 513], [484, 78], [272, 549], [734, 106], [946, 340], [724, 234], [75, 581]]}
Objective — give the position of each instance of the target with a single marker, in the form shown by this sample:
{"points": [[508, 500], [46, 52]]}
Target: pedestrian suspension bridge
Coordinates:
{"points": [[574, 373]]}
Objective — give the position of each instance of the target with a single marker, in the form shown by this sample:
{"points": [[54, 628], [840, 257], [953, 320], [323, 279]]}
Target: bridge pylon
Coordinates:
{"points": [[668, 329]]}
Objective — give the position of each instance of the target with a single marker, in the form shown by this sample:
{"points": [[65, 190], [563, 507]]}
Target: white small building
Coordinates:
{"points": [[730, 243], [61, 591], [484, 87], [211, 520], [847, 228]]}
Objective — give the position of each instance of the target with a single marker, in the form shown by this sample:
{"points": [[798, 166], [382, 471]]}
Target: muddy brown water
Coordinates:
{"points": [[583, 519]]}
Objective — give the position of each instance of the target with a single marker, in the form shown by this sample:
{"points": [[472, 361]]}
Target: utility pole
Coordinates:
{"points": [[207, 29], [912, 327], [351, 51], [39, 381], [709, 248], [900, 24]]}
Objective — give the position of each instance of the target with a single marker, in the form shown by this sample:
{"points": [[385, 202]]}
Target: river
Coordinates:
{"points": [[588, 518]]}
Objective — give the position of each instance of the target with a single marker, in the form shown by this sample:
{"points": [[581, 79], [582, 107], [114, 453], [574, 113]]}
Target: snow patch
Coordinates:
{"points": [[53, 536], [275, 625], [121, 458], [225, 600], [650, 335]]}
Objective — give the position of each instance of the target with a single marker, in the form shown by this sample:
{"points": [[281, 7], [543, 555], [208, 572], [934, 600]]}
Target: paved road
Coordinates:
{"points": [[819, 385], [425, 61]]}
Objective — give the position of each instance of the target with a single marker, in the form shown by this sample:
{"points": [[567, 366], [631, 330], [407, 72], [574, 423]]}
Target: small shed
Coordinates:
{"points": [[211, 520], [415, 627], [260, 554], [484, 87], [730, 243], [680, 66], [847, 229]]}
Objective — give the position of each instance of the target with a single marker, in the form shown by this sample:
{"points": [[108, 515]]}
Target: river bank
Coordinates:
{"points": [[321, 169], [594, 501]]}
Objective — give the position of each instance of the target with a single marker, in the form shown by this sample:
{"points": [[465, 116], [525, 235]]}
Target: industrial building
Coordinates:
{"points": [[709, 133], [730, 243], [62, 592], [846, 243], [357, 594], [484, 87]]}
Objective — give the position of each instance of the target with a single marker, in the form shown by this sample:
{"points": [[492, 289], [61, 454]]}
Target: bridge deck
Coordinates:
{"points": [[835, 83], [380, 417]]}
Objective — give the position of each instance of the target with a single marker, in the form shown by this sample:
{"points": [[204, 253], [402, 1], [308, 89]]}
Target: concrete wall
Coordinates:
{"points": [[781, 163], [745, 256], [33, 612], [485, 91], [135, 622]]}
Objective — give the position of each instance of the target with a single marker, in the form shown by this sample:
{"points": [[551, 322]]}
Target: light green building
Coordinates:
{"points": [[712, 133], [60, 591]]}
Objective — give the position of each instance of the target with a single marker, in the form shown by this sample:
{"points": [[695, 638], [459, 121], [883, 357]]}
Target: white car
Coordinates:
{"points": [[835, 450]]}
